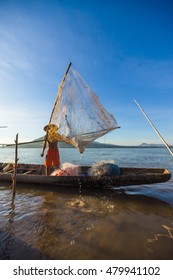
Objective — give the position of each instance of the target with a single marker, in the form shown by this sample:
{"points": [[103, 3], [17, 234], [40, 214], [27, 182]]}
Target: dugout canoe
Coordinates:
{"points": [[34, 174]]}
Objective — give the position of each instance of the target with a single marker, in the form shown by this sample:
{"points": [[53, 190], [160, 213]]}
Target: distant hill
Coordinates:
{"points": [[38, 143], [145, 145]]}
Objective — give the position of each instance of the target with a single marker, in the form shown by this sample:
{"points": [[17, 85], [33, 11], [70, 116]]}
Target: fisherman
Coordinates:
{"points": [[52, 156]]}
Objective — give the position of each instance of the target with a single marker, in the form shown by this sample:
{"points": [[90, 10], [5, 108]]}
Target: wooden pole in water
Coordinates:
{"points": [[160, 136], [15, 166]]}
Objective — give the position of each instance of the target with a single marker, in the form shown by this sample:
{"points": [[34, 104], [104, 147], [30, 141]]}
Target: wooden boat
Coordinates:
{"points": [[34, 174]]}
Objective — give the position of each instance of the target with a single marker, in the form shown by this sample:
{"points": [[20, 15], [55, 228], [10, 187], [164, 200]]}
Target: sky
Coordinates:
{"points": [[122, 49]]}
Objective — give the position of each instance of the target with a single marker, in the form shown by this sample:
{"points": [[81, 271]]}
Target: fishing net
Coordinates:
{"points": [[78, 113], [103, 168], [67, 169]]}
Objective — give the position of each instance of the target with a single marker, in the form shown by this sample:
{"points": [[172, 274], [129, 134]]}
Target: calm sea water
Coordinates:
{"points": [[133, 222]]}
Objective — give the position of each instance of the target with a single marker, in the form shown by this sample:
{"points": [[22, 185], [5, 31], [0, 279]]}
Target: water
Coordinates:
{"points": [[134, 222]]}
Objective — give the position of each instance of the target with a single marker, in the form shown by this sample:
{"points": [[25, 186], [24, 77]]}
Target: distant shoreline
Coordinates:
{"points": [[38, 143], [101, 146]]}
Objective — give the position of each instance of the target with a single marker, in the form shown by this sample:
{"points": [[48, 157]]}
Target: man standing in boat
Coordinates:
{"points": [[52, 156]]}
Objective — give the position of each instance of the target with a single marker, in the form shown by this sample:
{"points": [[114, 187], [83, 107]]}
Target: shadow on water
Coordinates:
{"points": [[66, 223], [12, 248]]}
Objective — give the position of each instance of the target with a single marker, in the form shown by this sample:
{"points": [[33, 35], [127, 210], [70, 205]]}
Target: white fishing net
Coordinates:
{"points": [[79, 115], [104, 168], [67, 169]]}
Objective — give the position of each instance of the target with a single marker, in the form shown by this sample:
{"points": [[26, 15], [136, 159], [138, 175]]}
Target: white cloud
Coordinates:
{"points": [[28, 121]]}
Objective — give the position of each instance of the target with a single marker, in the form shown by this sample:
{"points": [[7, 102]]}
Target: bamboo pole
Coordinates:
{"points": [[15, 166], [23, 143], [158, 133], [57, 98], [59, 91]]}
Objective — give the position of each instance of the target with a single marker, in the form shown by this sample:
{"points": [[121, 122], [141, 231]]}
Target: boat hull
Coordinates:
{"points": [[127, 177]]}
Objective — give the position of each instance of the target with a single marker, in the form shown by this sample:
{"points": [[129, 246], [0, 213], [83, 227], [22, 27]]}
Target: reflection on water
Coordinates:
{"points": [[66, 224]]}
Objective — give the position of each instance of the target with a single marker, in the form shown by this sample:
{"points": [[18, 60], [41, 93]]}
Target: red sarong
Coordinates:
{"points": [[52, 158]]}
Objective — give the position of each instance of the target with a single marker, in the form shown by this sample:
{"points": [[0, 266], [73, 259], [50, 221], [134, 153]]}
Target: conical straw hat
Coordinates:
{"points": [[49, 126]]}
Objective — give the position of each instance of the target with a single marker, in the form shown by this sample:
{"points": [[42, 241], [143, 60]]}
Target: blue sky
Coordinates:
{"points": [[122, 49]]}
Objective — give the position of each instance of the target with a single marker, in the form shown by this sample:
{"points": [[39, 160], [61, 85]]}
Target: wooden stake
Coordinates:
{"points": [[15, 166]]}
